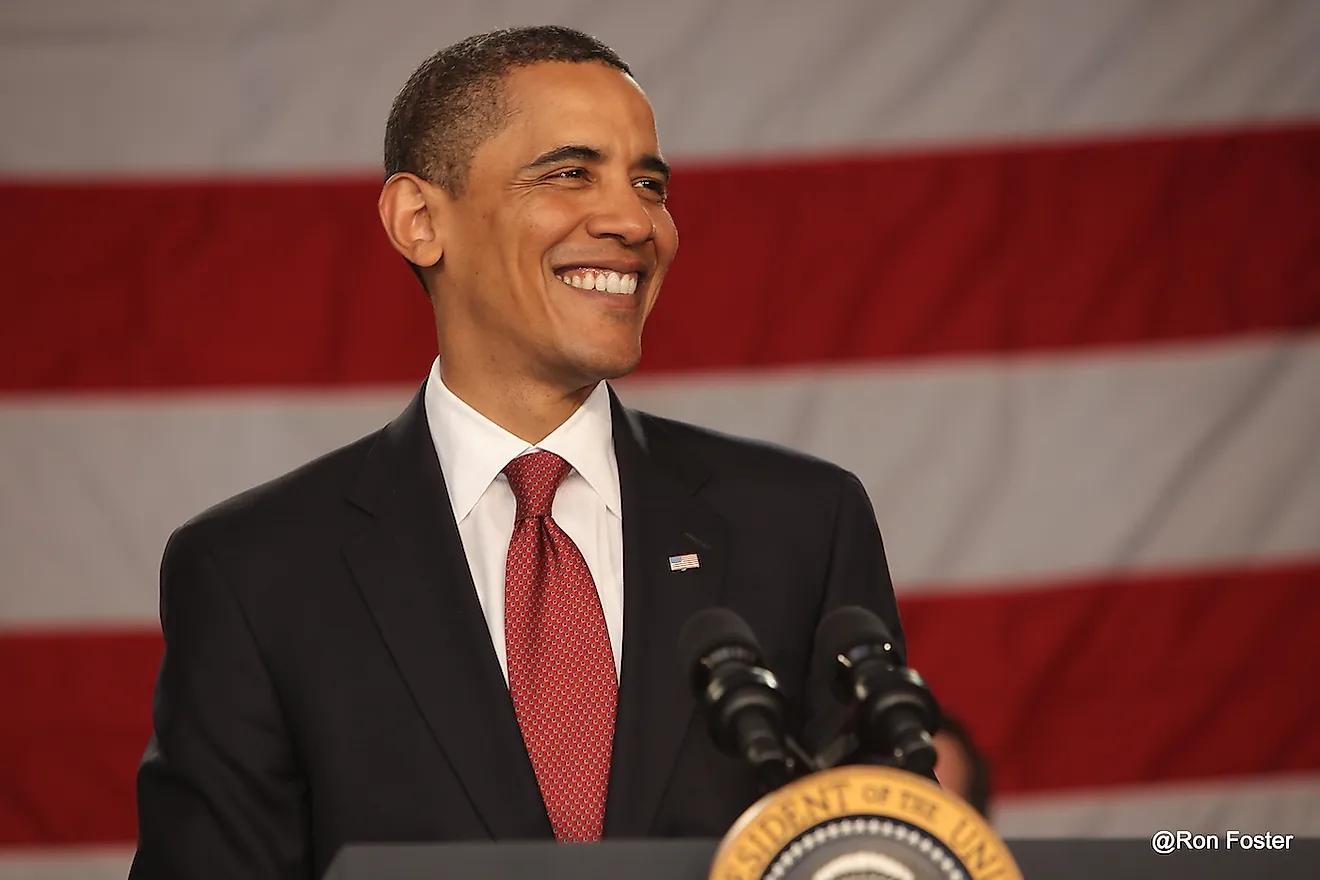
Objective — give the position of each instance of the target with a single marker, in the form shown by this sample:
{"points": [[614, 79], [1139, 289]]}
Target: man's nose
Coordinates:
{"points": [[621, 213]]}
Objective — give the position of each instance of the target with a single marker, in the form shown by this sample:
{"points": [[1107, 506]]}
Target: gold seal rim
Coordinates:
{"points": [[767, 828]]}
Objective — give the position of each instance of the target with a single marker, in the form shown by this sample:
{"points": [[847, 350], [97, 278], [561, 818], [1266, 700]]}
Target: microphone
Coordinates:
{"points": [[739, 695], [894, 710]]}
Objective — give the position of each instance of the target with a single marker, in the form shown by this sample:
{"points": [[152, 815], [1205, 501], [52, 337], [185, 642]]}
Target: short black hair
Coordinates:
{"points": [[979, 787], [454, 101]]}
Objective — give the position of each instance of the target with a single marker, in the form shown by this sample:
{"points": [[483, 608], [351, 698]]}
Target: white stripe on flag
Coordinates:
{"points": [[1047, 467], [250, 88], [66, 863], [1289, 805]]}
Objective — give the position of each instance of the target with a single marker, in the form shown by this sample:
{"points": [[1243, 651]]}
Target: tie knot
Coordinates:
{"points": [[534, 478]]}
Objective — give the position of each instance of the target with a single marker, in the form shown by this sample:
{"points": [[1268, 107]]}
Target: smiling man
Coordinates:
{"points": [[464, 625]]}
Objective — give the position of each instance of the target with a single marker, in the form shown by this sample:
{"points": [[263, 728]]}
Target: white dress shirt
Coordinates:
{"points": [[473, 451]]}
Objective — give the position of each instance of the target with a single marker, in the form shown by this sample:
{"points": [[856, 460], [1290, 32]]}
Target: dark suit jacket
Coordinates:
{"points": [[328, 675]]}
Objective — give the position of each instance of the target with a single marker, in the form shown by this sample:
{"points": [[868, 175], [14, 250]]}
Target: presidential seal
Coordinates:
{"points": [[862, 823]]}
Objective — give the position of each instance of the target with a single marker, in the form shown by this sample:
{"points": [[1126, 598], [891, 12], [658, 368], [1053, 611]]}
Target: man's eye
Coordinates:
{"points": [[656, 186], [571, 173]]}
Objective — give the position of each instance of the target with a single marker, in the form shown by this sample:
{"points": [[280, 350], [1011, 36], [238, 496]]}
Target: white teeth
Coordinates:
{"points": [[604, 280]]}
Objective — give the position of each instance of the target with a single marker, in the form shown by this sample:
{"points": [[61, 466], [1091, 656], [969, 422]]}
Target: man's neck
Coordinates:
{"points": [[530, 411]]}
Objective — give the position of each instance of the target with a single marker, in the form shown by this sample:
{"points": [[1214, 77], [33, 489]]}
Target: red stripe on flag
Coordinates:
{"points": [[1139, 680], [1144, 679], [166, 285], [76, 719]]}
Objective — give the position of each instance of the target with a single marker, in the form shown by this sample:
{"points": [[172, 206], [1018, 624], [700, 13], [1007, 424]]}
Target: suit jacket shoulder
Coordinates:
{"points": [[732, 462], [284, 508]]}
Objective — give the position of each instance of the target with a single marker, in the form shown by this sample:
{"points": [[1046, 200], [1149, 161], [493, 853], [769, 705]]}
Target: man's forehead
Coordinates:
{"points": [[586, 88], [617, 126]]}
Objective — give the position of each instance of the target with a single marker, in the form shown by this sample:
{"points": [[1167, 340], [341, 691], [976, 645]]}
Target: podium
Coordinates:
{"points": [[690, 860], [844, 822]]}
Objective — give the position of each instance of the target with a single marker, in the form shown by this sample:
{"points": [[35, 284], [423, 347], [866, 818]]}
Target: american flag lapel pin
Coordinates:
{"points": [[684, 562]]}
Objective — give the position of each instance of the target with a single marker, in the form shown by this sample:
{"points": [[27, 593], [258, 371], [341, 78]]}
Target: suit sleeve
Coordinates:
{"points": [[219, 794], [857, 574]]}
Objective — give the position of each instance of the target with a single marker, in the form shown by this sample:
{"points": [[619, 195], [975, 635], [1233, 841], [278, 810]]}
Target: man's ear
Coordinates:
{"points": [[412, 212]]}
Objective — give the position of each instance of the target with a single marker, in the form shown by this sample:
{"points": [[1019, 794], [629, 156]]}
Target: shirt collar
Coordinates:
{"points": [[473, 450]]}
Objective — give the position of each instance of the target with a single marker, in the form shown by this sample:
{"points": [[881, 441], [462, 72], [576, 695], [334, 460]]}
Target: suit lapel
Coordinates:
{"points": [[661, 518], [409, 563]]}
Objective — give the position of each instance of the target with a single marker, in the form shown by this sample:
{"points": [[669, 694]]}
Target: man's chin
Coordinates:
{"points": [[609, 365], [616, 372]]}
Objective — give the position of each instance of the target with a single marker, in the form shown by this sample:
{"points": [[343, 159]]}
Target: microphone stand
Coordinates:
{"points": [[846, 748]]}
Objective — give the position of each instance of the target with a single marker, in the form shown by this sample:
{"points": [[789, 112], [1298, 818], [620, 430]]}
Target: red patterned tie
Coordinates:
{"points": [[561, 666]]}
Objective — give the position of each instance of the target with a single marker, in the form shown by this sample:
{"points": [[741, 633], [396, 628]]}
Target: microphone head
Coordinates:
{"points": [[852, 626], [722, 661], [709, 630]]}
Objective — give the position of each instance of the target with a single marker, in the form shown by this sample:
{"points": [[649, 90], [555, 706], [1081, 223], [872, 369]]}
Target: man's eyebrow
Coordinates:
{"points": [[567, 153], [584, 153], [654, 163]]}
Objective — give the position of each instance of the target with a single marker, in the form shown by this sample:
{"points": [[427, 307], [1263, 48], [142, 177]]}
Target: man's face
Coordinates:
{"points": [[561, 239]]}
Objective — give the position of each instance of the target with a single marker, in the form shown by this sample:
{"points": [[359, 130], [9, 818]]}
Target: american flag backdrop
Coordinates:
{"points": [[1045, 275]]}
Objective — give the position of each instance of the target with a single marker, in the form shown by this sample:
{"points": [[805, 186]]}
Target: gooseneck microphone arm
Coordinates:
{"points": [[894, 713], [746, 712], [739, 696]]}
